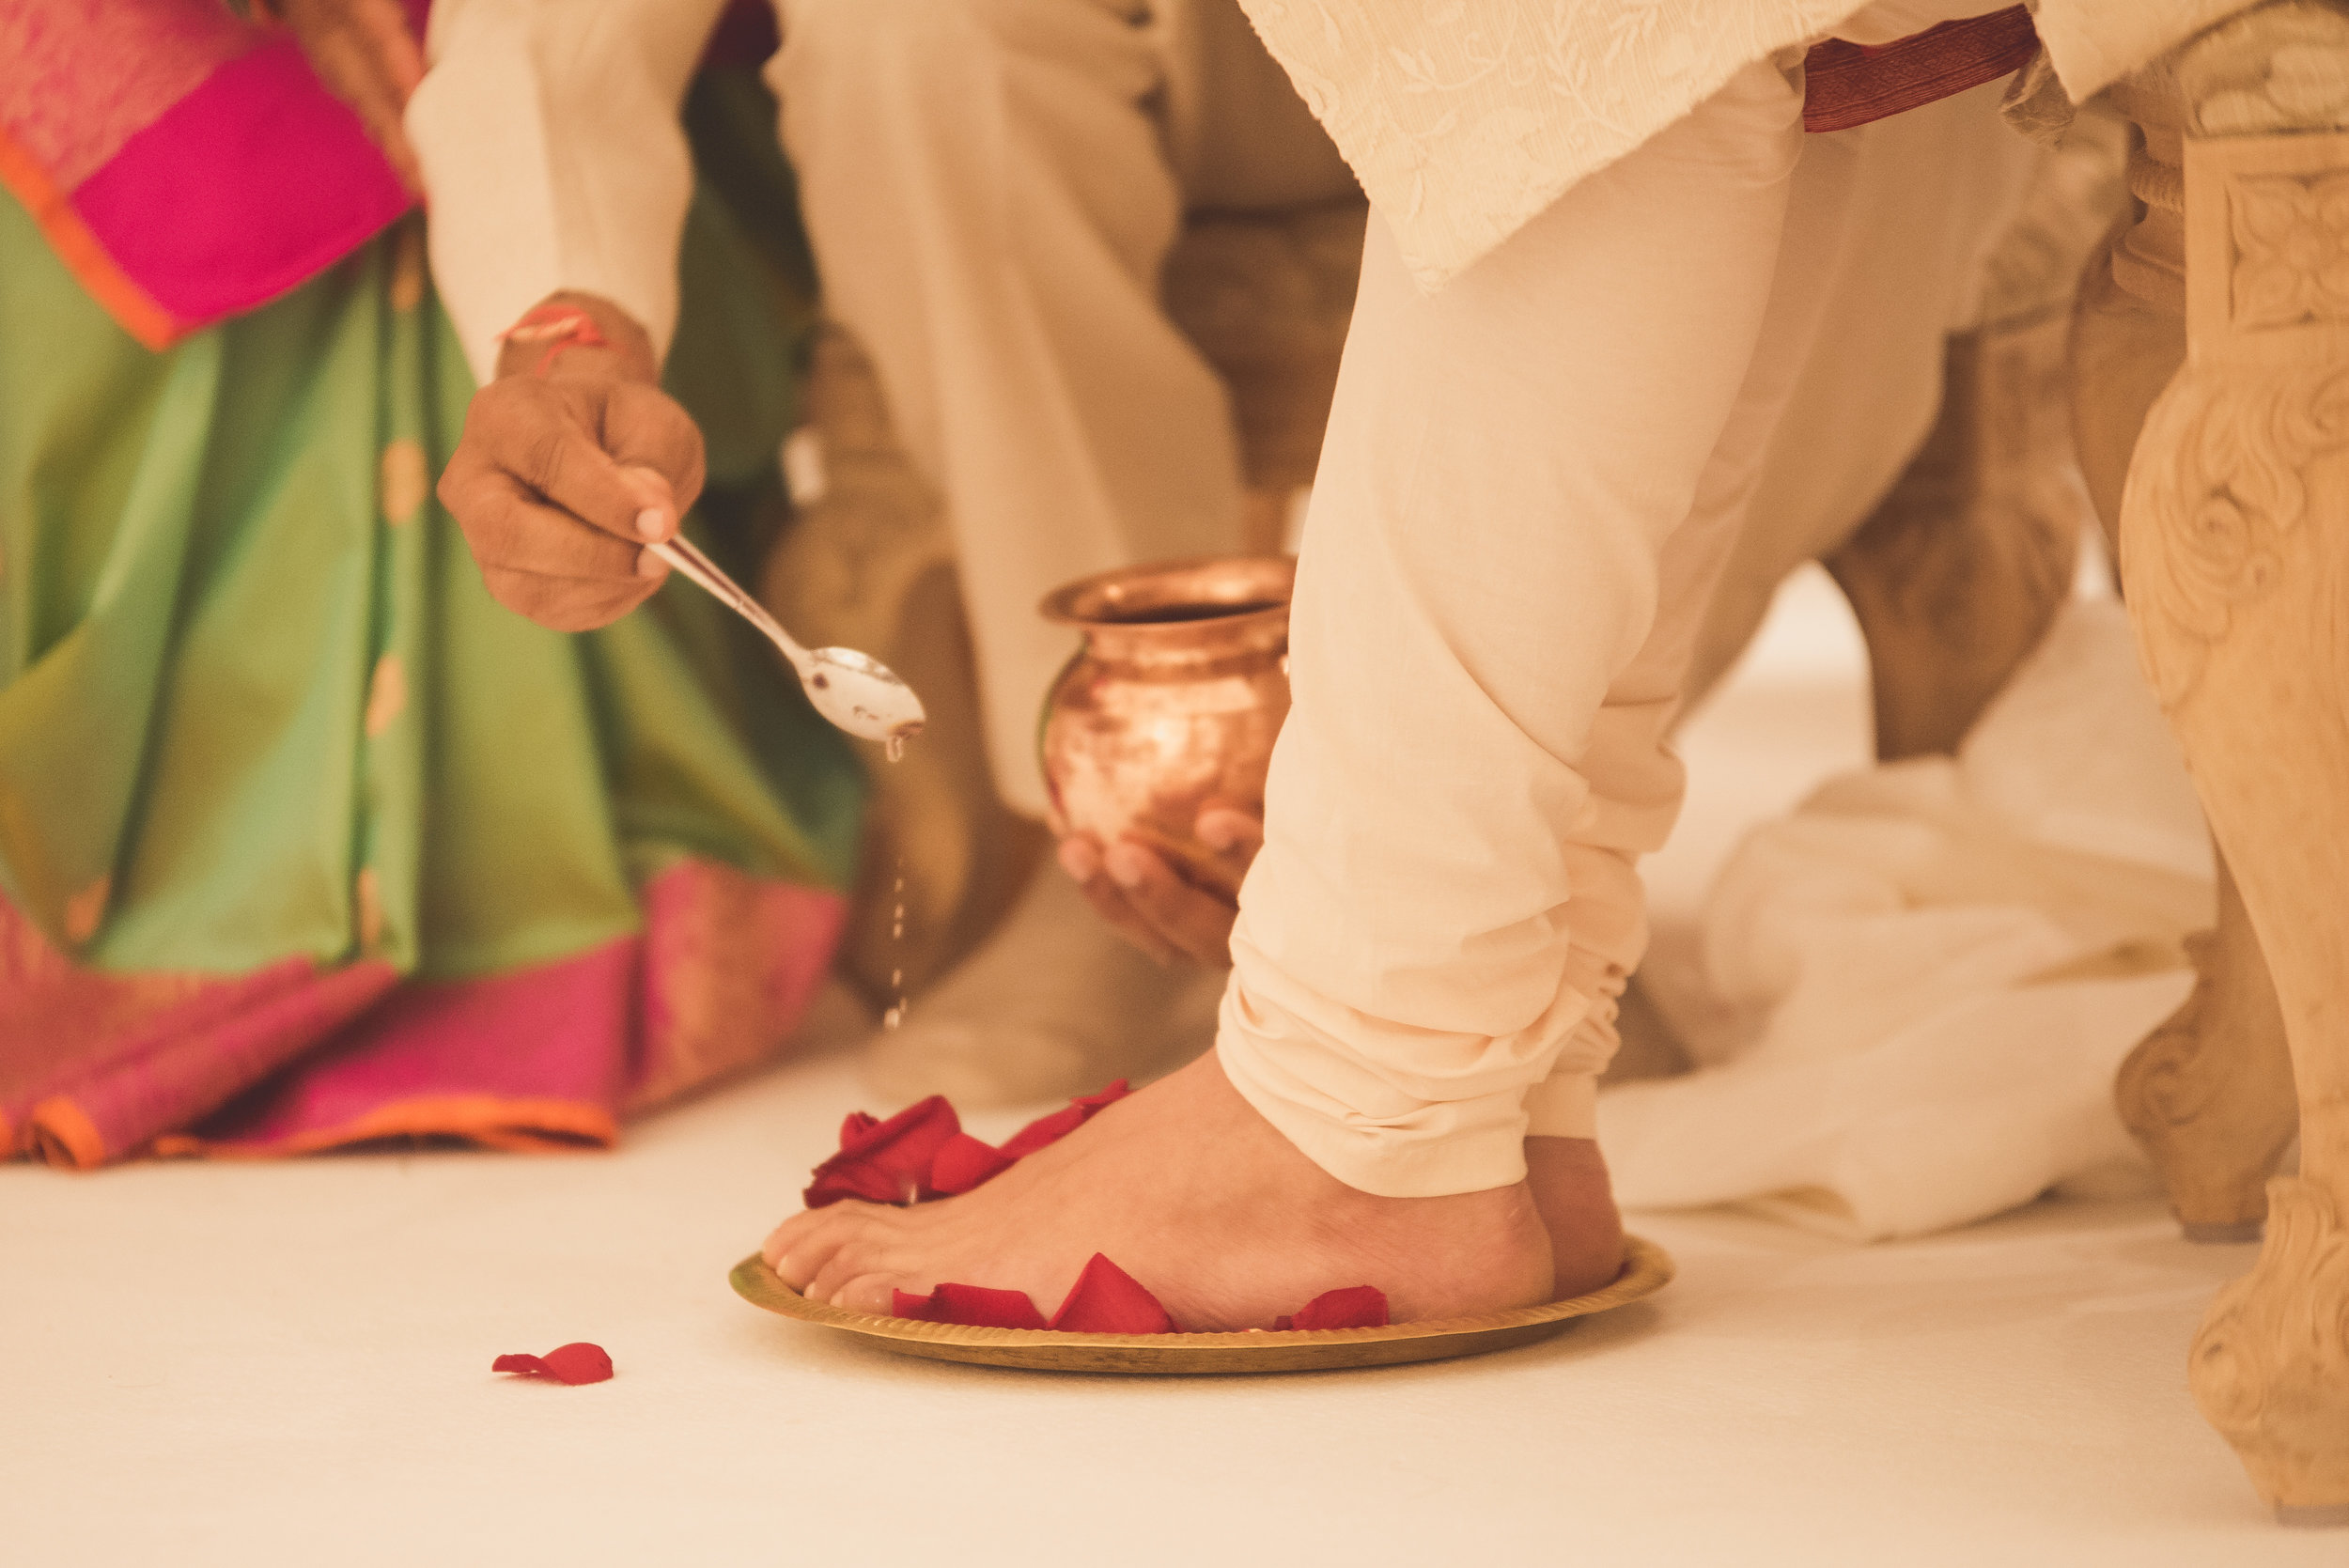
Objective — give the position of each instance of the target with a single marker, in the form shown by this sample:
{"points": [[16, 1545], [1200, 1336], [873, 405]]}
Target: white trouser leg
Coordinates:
{"points": [[989, 198], [1526, 489]]}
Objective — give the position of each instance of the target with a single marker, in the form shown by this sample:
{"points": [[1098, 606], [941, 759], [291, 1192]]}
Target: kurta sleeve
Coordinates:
{"points": [[548, 136]]}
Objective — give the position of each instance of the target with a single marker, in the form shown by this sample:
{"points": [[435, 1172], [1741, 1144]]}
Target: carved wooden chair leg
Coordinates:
{"points": [[1957, 574], [2209, 1094], [2234, 538]]}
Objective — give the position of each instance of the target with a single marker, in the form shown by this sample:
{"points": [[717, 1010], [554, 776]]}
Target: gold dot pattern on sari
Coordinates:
{"points": [[406, 287], [87, 910], [387, 694], [403, 478], [368, 898]]}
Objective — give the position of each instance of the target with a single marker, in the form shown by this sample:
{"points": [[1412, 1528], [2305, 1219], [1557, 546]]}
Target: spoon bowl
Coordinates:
{"points": [[854, 691], [863, 696]]}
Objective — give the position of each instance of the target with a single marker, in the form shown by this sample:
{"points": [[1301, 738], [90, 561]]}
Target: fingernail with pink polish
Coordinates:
{"points": [[1077, 859], [1125, 867], [652, 523]]}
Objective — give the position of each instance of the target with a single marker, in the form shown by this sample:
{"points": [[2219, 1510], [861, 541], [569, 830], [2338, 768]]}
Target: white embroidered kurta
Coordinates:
{"points": [[1463, 119]]}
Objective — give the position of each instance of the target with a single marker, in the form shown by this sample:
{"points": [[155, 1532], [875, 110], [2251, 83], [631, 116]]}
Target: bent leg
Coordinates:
{"points": [[1518, 518], [989, 202], [1450, 827]]}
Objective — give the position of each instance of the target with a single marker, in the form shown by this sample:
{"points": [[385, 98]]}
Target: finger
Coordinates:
{"points": [[1080, 856], [1110, 903], [539, 435], [1194, 922], [511, 530], [563, 603], [1232, 832], [656, 498], [645, 427]]}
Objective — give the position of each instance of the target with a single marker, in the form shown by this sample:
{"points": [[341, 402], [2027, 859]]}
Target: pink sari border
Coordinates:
{"points": [[185, 166], [292, 1059], [247, 187]]}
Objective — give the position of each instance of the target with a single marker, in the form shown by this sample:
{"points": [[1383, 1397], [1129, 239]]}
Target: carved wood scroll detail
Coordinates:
{"points": [[2234, 537], [2271, 1362]]}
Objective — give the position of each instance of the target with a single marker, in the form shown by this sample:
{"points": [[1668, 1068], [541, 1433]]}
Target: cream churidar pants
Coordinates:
{"points": [[1529, 483], [992, 188]]}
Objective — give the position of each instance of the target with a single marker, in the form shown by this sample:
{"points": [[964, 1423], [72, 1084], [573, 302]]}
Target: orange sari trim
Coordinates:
{"points": [[519, 1125], [134, 309]]}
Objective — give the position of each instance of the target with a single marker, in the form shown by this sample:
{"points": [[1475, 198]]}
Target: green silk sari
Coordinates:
{"points": [[304, 840]]}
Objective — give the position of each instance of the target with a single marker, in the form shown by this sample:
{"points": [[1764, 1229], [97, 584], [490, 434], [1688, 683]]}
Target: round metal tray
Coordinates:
{"points": [[1646, 1269]]}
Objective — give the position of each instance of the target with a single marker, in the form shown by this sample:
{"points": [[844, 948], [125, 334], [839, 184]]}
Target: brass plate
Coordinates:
{"points": [[1646, 1269]]}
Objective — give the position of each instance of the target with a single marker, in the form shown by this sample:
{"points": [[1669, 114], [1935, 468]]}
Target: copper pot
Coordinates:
{"points": [[1174, 701]]}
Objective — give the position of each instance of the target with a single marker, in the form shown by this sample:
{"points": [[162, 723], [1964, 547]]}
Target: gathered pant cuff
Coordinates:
{"points": [[1563, 1104], [1430, 1152]]}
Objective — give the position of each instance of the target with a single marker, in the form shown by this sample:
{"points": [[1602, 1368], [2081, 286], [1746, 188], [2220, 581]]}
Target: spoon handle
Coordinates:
{"points": [[681, 554]]}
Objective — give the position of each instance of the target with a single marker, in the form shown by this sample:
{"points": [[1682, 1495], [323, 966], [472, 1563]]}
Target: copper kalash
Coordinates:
{"points": [[1173, 702]]}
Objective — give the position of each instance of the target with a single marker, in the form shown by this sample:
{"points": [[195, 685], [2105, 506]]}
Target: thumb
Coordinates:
{"points": [[651, 489]]}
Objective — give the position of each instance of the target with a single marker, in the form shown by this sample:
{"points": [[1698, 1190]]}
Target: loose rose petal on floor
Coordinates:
{"points": [[576, 1362], [885, 1162], [1060, 1124], [1105, 1300], [963, 1162], [1355, 1307], [975, 1305]]}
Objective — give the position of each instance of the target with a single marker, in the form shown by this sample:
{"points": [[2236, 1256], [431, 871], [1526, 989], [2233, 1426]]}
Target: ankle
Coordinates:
{"points": [[1567, 1178]]}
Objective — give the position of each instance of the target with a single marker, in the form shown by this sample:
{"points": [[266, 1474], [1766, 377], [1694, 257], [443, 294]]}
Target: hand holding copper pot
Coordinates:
{"points": [[1162, 724]]}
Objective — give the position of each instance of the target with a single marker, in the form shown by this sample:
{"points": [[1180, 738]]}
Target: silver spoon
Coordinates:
{"points": [[855, 691]]}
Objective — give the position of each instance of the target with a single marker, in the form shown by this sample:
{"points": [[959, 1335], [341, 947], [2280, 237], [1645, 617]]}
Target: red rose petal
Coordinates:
{"points": [[1355, 1307], [1050, 1129], [973, 1305], [1105, 1300], [574, 1363], [885, 1162], [963, 1162]]}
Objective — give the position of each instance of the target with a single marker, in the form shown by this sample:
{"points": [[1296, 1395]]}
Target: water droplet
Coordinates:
{"points": [[894, 748], [894, 1017]]}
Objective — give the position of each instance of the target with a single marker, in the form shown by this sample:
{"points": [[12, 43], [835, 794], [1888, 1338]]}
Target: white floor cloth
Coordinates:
{"points": [[288, 1363], [1908, 997]]}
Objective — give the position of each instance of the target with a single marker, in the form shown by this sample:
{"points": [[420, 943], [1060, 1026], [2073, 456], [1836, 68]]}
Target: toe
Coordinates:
{"points": [[851, 1261], [871, 1293], [802, 1245]]}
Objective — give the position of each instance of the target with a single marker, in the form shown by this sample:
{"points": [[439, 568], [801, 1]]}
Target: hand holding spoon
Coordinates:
{"points": [[857, 693]]}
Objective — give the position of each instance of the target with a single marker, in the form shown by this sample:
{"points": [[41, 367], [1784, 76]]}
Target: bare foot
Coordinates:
{"points": [[1578, 1208], [1187, 1189]]}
